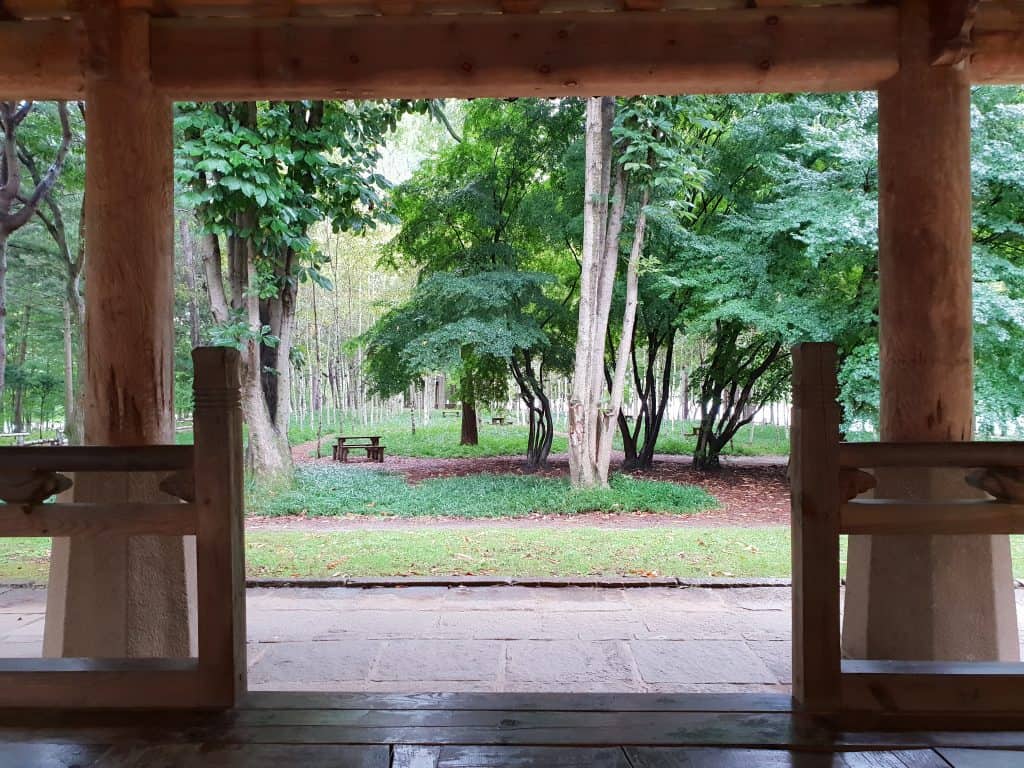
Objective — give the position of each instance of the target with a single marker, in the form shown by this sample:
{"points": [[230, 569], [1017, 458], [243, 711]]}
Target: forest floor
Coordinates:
{"points": [[751, 491]]}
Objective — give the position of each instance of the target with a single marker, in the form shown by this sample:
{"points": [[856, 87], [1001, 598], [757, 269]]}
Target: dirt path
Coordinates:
{"points": [[753, 492]]}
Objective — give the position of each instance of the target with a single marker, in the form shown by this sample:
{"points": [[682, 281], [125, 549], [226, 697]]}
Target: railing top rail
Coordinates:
{"points": [[951, 454], [97, 458]]}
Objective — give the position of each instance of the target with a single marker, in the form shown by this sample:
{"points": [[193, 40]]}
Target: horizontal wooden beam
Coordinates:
{"points": [[41, 60], [97, 519], [792, 48], [884, 516], [99, 683], [97, 458], [998, 43], [932, 686], [832, 49], [956, 454]]}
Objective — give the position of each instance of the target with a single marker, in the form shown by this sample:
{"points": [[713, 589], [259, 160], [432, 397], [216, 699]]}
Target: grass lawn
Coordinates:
{"points": [[347, 490], [685, 552]]}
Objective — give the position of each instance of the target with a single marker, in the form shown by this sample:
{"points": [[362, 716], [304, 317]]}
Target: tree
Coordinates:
{"points": [[788, 254], [260, 175], [17, 206], [486, 214], [636, 151]]}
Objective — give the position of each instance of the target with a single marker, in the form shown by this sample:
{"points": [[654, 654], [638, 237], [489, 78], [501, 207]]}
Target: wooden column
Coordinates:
{"points": [[926, 597], [124, 596]]}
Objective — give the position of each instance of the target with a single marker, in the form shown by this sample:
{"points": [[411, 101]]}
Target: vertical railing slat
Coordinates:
{"points": [[220, 557], [814, 480]]}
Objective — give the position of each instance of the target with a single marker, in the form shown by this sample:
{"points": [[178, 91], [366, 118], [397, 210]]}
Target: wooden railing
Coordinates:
{"points": [[826, 478], [207, 478]]}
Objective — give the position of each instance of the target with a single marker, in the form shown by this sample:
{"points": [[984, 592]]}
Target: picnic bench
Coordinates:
{"points": [[369, 443], [499, 420], [446, 411]]}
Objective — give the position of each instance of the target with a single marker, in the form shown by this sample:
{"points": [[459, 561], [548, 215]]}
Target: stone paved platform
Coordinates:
{"points": [[570, 639]]}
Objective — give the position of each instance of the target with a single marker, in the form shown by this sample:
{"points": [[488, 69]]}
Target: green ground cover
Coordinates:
{"points": [[320, 490], [683, 552]]}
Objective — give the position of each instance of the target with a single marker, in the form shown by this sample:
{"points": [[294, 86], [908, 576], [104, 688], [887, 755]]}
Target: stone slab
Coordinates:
{"points": [[301, 663], [699, 661], [566, 661], [438, 659]]}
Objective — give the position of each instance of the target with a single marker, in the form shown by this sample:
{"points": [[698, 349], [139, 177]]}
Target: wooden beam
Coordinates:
{"points": [[815, 527], [998, 55], [886, 516], [41, 60], [952, 22], [953, 454], [98, 519], [99, 683], [832, 49], [933, 686], [97, 458], [826, 48]]}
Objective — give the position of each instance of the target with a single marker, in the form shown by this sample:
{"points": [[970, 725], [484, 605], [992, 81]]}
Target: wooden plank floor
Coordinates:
{"points": [[485, 731]]}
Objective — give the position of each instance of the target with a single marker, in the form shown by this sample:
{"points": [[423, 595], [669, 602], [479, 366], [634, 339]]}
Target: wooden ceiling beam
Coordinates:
{"points": [[814, 49], [42, 60], [834, 49], [998, 43]]}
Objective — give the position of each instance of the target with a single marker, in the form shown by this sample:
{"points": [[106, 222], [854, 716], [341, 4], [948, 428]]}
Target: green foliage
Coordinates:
{"points": [[337, 490]]}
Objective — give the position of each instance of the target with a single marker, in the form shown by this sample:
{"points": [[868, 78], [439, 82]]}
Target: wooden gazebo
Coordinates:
{"points": [[129, 59]]}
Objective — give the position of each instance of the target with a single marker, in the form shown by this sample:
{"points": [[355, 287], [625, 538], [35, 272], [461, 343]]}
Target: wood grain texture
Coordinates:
{"points": [[933, 686], [527, 54], [814, 468], [85, 519], [887, 516], [220, 548], [98, 458], [934, 454]]}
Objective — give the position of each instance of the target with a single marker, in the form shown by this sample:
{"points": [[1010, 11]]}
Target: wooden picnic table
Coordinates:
{"points": [[369, 443], [498, 420]]}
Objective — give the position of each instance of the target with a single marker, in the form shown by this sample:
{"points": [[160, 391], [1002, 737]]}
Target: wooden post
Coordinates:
{"points": [[926, 597], [124, 596], [220, 557], [814, 481]]}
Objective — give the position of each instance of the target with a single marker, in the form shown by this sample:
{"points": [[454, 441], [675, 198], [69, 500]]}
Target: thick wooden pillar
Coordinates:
{"points": [[926, 597], [124, 596]]}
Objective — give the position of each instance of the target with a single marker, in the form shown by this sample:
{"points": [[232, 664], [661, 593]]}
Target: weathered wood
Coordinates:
{"points": [[735, 48], [935, 454], [86, 683], [936, 686], [247, 756], [99, 519], [952, 22], [887, 516], [220, 549], [98, 458], [42, 60], [508, 757], [815, 527], [527, 702], [682, 757], [922, 596], [527, 54]]}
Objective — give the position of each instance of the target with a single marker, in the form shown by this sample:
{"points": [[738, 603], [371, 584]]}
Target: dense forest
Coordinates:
{"points": [[373, 260]]}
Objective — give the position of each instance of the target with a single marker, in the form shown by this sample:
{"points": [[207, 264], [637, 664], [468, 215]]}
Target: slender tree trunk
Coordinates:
{"points": [[18, 393], [469, 433]]}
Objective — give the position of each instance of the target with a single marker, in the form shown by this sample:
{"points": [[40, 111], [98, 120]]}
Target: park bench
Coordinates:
{"points": [[501, 420], [446, 412], [369, 443]]}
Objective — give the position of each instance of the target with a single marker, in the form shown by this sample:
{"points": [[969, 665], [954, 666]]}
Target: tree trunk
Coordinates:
{"points": [[469, 433], [18, 393]]}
